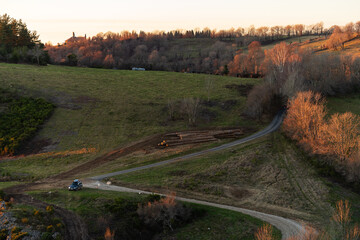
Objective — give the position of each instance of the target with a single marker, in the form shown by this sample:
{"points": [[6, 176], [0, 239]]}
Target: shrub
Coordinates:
{"points": [[24, 220], [50, 228], [20, 122], [264, 233], [50, 209], [163, 214]]}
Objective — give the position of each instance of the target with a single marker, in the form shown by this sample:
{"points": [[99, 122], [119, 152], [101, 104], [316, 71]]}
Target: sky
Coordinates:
{"points": [[55, 21]]}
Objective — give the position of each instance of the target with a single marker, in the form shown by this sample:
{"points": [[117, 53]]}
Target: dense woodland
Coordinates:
{"points": [[216, 52]]}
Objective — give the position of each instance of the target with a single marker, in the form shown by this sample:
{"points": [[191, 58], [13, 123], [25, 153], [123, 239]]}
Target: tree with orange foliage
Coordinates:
{"points": [[342, 134], [337, 38], [254, 57], [109, 61], [304, 121], [109, 235], [280, 55], [342, 218], [299, 28], [357, 27], [265, 232]]}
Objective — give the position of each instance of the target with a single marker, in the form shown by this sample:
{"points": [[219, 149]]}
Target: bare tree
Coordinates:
{"points": [[357, 27], [279, 55], [209, 84], [191, 108], [37, 52], [171, 105]]}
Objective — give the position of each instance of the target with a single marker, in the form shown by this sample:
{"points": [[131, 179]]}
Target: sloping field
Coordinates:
{"points": [[98, 110]]}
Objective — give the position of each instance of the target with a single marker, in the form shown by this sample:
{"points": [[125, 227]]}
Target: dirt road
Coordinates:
{"points": [[273, 126], [287, 227]]}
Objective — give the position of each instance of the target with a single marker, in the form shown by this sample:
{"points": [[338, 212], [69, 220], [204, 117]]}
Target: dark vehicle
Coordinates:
{"points": [[76, 185]]}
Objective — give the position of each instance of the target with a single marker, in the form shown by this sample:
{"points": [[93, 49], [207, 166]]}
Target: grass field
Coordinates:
{"points": [[270, 173], [104, 109], [89, 204], [344, 104], [265, 173], [289, 40]]}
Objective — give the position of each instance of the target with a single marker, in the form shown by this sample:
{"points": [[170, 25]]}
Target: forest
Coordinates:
{"points": [[235, 51]]}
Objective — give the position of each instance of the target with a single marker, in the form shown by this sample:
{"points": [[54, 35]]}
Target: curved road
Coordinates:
{"points": [[287, 227], [273, 126]]}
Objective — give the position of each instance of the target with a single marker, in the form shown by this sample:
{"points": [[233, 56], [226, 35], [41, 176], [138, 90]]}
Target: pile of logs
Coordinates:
{"points": [[194, 137]]}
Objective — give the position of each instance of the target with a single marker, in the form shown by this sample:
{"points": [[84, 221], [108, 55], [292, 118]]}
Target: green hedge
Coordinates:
{"points": [[20, 121]]}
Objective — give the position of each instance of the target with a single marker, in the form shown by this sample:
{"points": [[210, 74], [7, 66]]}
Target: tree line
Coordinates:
{"points": [[18, 44], [174, 51]]}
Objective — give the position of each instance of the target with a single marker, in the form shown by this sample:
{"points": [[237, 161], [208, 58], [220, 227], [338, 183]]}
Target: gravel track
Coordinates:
{"points": [[287, 227], [273, 126]]}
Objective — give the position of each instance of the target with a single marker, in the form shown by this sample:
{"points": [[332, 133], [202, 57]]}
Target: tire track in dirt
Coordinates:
{"points": [[152, 143], [117, 153], [307, 189], [288, 227], [273, 126]]}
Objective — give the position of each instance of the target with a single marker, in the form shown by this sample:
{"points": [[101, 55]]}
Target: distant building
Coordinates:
{"points": [[75, 39]]}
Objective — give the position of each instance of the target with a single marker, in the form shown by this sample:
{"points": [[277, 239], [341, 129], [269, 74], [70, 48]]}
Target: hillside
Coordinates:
{"points": [[351, 47], [98, 110]]}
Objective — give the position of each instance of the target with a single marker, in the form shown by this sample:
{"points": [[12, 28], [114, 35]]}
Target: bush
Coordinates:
{"points": [[20, 122], [164, 214]]}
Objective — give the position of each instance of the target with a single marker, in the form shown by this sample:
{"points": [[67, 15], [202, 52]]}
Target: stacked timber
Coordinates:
{"points": [[195, 137]]}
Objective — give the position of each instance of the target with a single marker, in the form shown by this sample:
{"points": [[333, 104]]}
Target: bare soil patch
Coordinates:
{"points": [[174, 141]]}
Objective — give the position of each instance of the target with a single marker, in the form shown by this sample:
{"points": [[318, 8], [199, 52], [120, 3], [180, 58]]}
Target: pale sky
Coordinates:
{"points": [[56, 20]]}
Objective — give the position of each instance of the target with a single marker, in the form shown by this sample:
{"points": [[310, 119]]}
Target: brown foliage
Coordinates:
{"points": [[165, 212], [342, 218], [108, 234], [343, 229], [259, 100], [280, 55], [337, 139], [264, 233], [342, 134], [305, 120]]}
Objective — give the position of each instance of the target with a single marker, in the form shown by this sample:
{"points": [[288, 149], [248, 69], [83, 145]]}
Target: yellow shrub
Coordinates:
{"points": [[24, 220], [18, 236], [36, 212], [50, 209], [50, 228]]}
